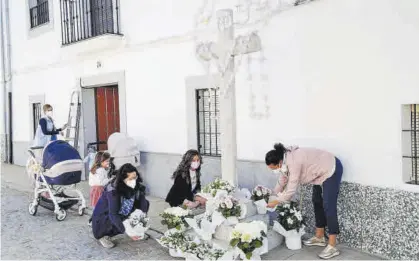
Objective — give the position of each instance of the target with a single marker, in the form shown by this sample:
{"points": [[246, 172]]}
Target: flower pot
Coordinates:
{"points": [[231, 221], [223, 232], [292, 237], [293, 242], [261, 206], [176, 253]]}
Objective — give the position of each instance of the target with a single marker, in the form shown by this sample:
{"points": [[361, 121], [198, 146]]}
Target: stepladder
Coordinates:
{"points": [[73, 123]]}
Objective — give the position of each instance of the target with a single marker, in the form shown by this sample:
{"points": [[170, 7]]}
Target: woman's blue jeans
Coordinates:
{"points": [[325, 200]]}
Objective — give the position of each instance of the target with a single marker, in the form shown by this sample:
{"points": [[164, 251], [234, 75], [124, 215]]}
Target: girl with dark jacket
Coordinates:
{"points": [[187, 182], [121, 196]]}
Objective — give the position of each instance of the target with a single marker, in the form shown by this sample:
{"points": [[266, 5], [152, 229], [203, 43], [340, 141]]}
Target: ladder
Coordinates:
{"points": [[73, 123]]}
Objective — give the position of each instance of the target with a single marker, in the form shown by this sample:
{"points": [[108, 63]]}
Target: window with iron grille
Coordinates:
{"points": [[38, 12], [412, 138], [208, 126], [84, 19], [37, 114]]}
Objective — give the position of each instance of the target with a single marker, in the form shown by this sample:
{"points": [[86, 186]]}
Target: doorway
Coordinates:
{"points": [[107, 113]]}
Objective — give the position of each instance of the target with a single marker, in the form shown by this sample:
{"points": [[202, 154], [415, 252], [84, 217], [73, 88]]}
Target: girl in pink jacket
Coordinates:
{"points": [[319, 168]]}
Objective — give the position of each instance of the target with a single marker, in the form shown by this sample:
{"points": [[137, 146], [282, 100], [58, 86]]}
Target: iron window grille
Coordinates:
{"points": [[84, 19], [37, 114], [208, 126], [414, 147], [39, 14]]}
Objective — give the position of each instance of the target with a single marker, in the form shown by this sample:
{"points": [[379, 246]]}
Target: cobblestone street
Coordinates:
{"points": [[42, 237]]}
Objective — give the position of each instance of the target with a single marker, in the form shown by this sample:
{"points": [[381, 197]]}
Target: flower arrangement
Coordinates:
{"points": [[290, 224], [260, 192], [174, 218], [136, 224], [203, 251], [248, 237], [185, 245], [175, 240], [216, 185], [289, 216], [229, 207]]}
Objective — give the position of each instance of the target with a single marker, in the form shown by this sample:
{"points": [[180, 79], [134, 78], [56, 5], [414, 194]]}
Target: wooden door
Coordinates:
{"points": [[107, 113]]}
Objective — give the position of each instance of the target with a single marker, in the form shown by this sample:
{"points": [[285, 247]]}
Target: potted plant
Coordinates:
{"points": [[260, 197], [250, 239], [290, 224], [174, 218]]}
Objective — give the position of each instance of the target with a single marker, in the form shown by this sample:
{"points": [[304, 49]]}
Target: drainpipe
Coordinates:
{"points": [[3, 90], [7, 73]]}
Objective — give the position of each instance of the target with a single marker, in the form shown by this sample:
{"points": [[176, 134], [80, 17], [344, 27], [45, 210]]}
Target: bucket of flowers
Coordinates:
{"points": [[203, 251], [290, 224], [176, 242], [174, 218], [136, 224], [218, 186], [260, 197], [230, 209], [250, 239]]}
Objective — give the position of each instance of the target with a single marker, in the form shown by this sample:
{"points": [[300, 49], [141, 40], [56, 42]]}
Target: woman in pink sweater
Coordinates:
{"points": [[324, 171]]}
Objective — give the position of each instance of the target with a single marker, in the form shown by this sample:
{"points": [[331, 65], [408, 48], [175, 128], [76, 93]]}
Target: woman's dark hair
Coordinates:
{"points": [[99, 158], [122, 174], [185, 164], [276, 155]]}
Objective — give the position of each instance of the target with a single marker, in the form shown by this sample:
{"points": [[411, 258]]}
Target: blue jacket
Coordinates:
{"points": [[106, 220]]}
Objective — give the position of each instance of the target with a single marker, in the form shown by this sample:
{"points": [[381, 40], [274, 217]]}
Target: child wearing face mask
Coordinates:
{"points": [[187, 182], [98, 176]]}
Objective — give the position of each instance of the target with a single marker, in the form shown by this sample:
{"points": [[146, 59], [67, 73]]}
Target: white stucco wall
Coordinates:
{"points": [[339, 71]]}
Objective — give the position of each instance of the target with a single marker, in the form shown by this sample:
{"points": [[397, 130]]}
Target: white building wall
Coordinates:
{"points": [[339, 71]]}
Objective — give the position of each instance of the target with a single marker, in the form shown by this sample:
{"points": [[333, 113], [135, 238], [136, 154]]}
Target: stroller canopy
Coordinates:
{"points": [[58, 151], [123, 149]]}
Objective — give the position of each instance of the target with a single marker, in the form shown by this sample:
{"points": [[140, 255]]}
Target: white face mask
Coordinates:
{"points": [[195, 164], [131, 183], [283, 170], [49, 113]]}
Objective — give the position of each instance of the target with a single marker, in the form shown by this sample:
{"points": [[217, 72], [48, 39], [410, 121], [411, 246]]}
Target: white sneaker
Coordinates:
{"points": [[315, 241], [106, 242], [329, 252]]}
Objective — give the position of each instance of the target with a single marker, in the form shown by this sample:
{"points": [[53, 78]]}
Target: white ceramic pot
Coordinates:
{"points": [[293, 242]]}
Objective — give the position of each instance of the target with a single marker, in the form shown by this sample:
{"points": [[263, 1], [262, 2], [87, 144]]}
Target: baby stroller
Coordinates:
{"points": [[60, 171]]}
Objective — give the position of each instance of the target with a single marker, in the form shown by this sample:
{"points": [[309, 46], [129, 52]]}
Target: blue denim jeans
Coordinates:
{"points": [[325, 200]]}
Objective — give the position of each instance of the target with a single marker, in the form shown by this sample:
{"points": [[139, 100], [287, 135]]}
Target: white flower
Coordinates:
{"points": [[177, 212], [258, 193], [292, 211], [282, 213], [264, 191], [229, 204], [290, 221], [299, 216]]}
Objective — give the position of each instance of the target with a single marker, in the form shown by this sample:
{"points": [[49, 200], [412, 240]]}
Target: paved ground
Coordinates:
{"points": [[42, 237]]}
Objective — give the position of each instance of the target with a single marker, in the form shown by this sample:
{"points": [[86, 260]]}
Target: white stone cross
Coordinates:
{"points": [[224, 52]]}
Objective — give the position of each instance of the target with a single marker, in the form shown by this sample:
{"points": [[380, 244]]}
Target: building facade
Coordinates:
{"points": [[339, 75]]}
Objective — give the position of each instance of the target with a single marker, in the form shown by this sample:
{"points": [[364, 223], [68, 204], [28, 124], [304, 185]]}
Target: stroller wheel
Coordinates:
{"points": [[81, 211], [33, 209], [61, 215]]}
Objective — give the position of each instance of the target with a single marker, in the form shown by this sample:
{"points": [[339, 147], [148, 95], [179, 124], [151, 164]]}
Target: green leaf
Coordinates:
{"points": [[249, 255], [178, 227], [258, 243], [234, 242]]}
